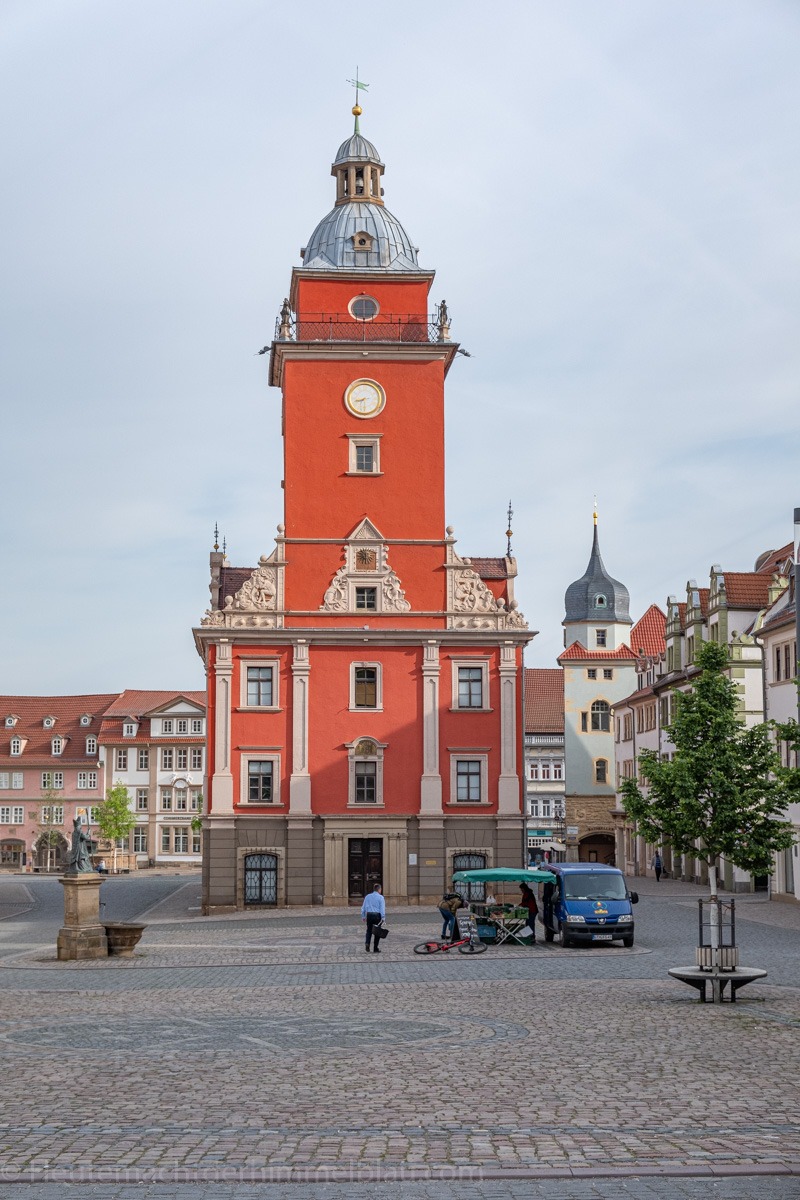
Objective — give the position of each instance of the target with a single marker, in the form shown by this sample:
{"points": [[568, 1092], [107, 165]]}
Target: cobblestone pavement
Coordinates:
{"points": [[272, 1048]]}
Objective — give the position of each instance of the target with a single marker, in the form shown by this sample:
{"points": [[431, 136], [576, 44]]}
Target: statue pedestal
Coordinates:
{"points": [[82, 935]]}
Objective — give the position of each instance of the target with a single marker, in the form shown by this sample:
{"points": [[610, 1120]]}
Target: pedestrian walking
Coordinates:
{"points": [[657, 866], [449, 905], [373, 911], [529, 901]]}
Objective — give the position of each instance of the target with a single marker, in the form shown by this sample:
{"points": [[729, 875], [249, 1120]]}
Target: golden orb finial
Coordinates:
{"points": [[357, 110]]}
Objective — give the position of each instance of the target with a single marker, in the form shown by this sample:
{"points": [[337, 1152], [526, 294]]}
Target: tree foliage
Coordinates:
{"points": [[723, 793], [113, 815]]}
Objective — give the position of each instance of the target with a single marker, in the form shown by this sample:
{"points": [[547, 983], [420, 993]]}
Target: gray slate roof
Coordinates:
{"points": [[331, 244], [596, 596]]}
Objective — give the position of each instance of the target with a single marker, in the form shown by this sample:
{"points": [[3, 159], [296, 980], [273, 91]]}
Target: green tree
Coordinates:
{"points": [[723, 793], [114, 817], [51, 833]]}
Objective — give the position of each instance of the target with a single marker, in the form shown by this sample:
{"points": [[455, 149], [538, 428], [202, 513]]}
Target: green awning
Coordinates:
{"points": [[504, 875]]}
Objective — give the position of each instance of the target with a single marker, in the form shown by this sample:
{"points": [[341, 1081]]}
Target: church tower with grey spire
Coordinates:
{"points": [[599, 670]]}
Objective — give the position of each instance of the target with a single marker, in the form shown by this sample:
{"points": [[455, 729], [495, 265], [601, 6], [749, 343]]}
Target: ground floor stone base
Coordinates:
{"points": [[252, 861]]}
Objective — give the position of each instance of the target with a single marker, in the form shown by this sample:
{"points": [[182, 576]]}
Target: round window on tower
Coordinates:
{"points": [[364, 308]]}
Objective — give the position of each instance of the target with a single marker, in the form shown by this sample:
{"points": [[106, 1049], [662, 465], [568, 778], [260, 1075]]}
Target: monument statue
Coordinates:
{"points": [[79, 862]]}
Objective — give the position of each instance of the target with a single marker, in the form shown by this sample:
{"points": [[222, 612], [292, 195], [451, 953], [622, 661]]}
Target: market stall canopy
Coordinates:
{"points": [[504, 875]]}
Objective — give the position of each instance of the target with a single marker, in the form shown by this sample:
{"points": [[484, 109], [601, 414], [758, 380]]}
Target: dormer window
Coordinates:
{"points": [[91, 745], [86, 719], [363, 242], [129, 729], [16, 745], [600, 602], [166, 726], [49, 722], [57, 745], [11, 722]]}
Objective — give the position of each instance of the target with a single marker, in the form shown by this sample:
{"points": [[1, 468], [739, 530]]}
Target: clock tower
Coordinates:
{"points": [[364, 679]]}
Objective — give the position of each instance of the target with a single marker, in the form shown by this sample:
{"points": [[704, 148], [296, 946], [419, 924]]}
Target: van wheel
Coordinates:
{"points": [[628, 941], [566, 940]]}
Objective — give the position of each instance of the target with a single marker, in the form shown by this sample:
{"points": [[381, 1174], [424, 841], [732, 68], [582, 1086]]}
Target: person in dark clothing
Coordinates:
{"points": [[530, 902], [449, 905], [373, 911], [657, 866]]}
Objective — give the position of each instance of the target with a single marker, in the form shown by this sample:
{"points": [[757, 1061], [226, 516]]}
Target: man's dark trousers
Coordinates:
{"points": [[373, 923]]}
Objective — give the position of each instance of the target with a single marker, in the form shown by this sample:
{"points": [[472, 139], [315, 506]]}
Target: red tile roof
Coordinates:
{"points": [[647, 635], [231, 579], [133, 703], [544, 700], [747, 589], [67, 710], [578, 653], [490, 568], [774, 560]]}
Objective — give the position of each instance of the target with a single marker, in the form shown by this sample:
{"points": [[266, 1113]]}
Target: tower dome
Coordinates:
{"points": [[596, 596], [359, 233]]}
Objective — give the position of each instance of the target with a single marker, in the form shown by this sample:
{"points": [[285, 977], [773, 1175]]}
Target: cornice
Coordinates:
{"points": [[281, 352]]}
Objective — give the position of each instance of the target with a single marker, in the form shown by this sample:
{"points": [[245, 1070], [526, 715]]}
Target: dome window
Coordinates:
{"points": [[600, 602], [363, 308], [362, 241]]}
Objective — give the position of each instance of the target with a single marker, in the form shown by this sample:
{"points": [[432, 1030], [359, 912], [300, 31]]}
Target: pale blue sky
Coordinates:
{"points": [[607, 189]]}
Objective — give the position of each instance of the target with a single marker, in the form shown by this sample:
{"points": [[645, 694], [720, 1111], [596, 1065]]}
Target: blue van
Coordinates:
{"points": [[587, 903]]}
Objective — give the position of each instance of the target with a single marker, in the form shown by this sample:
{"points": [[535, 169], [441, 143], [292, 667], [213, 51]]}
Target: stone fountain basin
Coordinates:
{"points": [[122, 937]]}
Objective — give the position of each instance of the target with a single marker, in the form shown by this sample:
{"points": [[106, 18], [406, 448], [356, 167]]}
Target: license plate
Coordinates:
{"points": [[602, 937]]}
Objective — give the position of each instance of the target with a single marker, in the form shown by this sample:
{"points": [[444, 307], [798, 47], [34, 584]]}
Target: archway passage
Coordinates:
{"points": [[50, 851], [598, 848], [12, 853]]}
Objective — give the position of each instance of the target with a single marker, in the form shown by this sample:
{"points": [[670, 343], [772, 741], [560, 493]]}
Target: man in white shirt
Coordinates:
{"points": [[373, 911]]}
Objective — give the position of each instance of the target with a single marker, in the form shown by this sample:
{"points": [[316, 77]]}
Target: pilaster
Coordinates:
{"points": [[508, 786], [222, 779], [300, 780], [431, 783]]}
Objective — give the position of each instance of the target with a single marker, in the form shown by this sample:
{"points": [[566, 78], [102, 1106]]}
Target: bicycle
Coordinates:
{"points": [[465, 945]]}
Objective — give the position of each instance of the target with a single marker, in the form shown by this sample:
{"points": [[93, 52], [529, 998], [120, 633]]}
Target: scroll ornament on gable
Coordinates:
{"points": [[255, 603], [475, 605]]}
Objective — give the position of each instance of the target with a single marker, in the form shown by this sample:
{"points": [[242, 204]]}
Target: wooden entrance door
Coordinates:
{"points": [[364, 865]]}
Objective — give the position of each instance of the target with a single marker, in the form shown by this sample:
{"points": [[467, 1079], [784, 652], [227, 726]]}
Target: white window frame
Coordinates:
{"points": [[373, 666], [139, 835], [5, 781], [143, 758], [457, 756], [259, 661], [184, 833], [49, 722], [244, 779], [197, 725], [17, 781], [182, 726], [86, 719], [166, 726], [364, 439], [474, 662], [196, 758], [16, 747], [91, 745], [167, 758], [142, 799], [52, 781], [87, 781], [181, 758], [121, 760], [129, 729], [353, 758], [165, 799]]}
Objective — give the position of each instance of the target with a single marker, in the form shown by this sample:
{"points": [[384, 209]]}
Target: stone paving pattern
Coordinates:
{"points": [[272, 1047]]}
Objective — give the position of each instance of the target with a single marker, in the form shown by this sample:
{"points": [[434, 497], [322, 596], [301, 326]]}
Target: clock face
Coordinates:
{"points": [[364, 398]]}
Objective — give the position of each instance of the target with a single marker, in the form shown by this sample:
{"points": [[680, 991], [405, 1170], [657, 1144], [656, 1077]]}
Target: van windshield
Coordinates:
{"points": [[593, 887]]}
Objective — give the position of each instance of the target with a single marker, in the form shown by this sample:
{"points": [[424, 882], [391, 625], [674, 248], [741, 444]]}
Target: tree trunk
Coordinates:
{"points": [[714, 924]]}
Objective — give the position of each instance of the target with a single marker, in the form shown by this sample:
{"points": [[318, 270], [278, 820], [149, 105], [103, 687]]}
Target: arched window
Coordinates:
{"points": [[601, 717], [600, 770], [16, 745], [261, 879], [470, 862], [366, 772]]}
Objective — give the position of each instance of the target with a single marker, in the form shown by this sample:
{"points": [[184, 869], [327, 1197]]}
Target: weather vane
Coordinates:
{"points": [[359, 86], [509, 531]]}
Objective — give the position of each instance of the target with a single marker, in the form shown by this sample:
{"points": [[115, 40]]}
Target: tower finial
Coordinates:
{"points": [[509, 531], [359, 86], [216, 535], [594, 513]]}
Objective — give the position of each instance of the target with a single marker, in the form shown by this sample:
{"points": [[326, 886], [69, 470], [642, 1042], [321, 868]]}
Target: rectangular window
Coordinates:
{"points": [[546, 807], [87, 780], [534, 771], [259, 687], [122, 760], [181, 758], [143, 760], [608, 673], [627, 727], [142, 799], [16, 781], [91, 745], [366, 783], [778, 663], [5, 781], [365, 457], [197, 800], [181, 800], [601, 771], [197, 726], [167, 758], [196, 846], [52, 814], [366, 599], [259, 780], [468, 781], [470, 687], [197, 758], [183, 726], [366, 687], [166, 799], [5, 814], [128, 730], [591, 673], [166, 726], [584, 722], [600, 637], [788, 665], [140, 840], [558, 770], [165, 839], [182, 839], [52, 779], [546, 770]]}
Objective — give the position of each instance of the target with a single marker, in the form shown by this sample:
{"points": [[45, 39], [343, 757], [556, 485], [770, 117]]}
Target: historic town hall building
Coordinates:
{"points": [[364, 679]]}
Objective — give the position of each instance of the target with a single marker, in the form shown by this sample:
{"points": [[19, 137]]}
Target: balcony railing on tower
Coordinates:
{"points": [[343, 327]]}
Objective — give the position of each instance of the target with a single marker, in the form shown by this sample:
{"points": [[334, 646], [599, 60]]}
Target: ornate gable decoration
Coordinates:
{"points": [[258, 604], [366, 566], [471, 604]]}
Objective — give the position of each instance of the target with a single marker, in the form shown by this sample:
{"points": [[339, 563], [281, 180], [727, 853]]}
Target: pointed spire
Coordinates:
{"points": [[216, 535], [509, 531]]}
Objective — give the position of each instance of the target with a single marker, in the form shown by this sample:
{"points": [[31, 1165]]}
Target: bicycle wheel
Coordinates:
{"points": [[472, 948], [427, 948]]}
